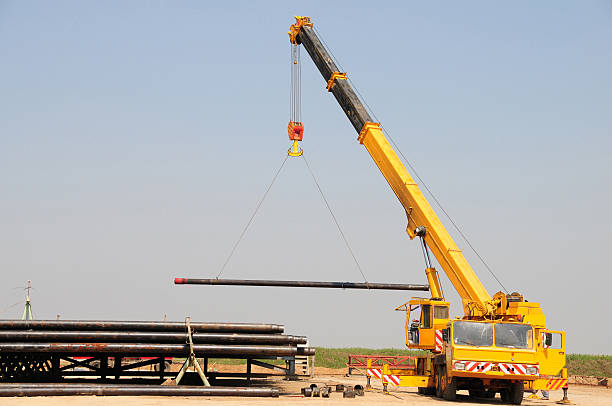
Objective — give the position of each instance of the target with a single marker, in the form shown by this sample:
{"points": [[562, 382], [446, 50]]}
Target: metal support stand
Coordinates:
{"points": [[103, 368], [191, 360], [248, 371], [368, 367], [117, 367], [162, 368], [565, 400], [291, 376]]}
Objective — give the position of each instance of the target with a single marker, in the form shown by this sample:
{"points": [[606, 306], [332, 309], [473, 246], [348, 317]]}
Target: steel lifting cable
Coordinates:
{"points": [[335, 220], [433, 196], [455, 226], [242, 234], [295, 107], [435, 199]]}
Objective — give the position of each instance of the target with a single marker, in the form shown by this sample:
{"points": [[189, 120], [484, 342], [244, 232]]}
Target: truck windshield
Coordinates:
{"points": [[470, 333], [513, 336]]}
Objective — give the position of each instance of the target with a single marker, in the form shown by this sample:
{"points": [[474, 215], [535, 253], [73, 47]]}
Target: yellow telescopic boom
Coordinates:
{"points": [[476, 300]]}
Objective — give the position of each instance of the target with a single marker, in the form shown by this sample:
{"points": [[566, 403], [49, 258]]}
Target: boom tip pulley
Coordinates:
{"points": [[294, 29]]}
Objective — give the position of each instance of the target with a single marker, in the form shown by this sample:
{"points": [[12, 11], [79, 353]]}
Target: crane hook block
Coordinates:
{"points": [[296, 130], [296, 133]]}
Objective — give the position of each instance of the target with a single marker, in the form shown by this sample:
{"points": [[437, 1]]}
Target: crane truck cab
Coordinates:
{"points": [[506, 356], [500, 355], [426, 320]]}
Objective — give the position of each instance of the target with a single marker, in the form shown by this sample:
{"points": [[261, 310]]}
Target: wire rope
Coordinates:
{"points": [[244, 230], [348, 246], [433, 196]]}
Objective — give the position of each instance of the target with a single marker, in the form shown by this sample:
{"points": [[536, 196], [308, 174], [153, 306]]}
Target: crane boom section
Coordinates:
{"points": [[476, 300]]}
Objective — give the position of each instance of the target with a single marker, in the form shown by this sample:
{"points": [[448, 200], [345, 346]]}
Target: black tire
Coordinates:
{"points": [[505, 395], [489, 394], [426, 391], [440, 376], [517, 390], [450, 392], [477, 393]]}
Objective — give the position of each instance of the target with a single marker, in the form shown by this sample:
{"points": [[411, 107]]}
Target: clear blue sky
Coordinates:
{"points": [[136, 138]]}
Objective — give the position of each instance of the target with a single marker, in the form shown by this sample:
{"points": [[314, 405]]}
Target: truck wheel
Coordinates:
{"points": [[516, 393], [477, 393], [426, 391], [450, 392], [439, 388], [505, 395]]}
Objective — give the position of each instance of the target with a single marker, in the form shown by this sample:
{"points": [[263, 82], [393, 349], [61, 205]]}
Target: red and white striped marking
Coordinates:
{"points": [[516, 369], [439, 341], [392, 379], [506, 368], [555, 384], [374, 372], [474, 366]]}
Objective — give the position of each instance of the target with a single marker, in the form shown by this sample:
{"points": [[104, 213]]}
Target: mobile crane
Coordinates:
{"points": [[501, 344]]}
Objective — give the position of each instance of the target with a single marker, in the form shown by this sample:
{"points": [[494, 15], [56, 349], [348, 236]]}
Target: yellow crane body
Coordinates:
{"points": [[420, 213], [501, 344]]}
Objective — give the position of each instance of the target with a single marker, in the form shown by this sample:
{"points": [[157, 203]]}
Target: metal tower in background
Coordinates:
{"points": [[27, 311]]}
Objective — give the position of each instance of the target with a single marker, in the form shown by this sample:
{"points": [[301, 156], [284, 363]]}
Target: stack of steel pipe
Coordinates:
{"points": [[219, 340], [38, 342], [8, 390]]}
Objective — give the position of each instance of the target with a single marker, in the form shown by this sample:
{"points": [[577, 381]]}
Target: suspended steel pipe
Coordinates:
{"points": [[130, 390], [300, 284], [146, 337], [247, 328]]}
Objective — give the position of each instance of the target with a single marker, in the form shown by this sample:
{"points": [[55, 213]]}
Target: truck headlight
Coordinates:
{"points": [[531, 370], [459, 366]]}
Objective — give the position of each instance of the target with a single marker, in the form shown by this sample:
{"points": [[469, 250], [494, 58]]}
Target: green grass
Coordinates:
{"points": [[337, 357], [234, 361], [589, 365], [577, 364]]}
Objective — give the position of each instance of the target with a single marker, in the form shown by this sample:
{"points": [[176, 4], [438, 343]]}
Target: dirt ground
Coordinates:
{"points": [[579, 394]]}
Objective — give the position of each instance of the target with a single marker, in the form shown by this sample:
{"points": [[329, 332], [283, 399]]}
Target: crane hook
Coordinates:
{"points": [[295, 149], [296, 133]]}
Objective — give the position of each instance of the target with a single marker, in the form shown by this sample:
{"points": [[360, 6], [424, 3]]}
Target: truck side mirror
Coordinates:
{"points": [[548, 339], [446, 335]]}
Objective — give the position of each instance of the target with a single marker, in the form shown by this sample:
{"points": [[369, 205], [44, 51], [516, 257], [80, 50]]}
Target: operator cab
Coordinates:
{"points": [[425, 321]]}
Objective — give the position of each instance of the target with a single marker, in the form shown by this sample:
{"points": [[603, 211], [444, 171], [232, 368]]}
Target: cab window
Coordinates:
{"points": [[441, 312], [513, 336], [426, 316], [472, 333]]}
